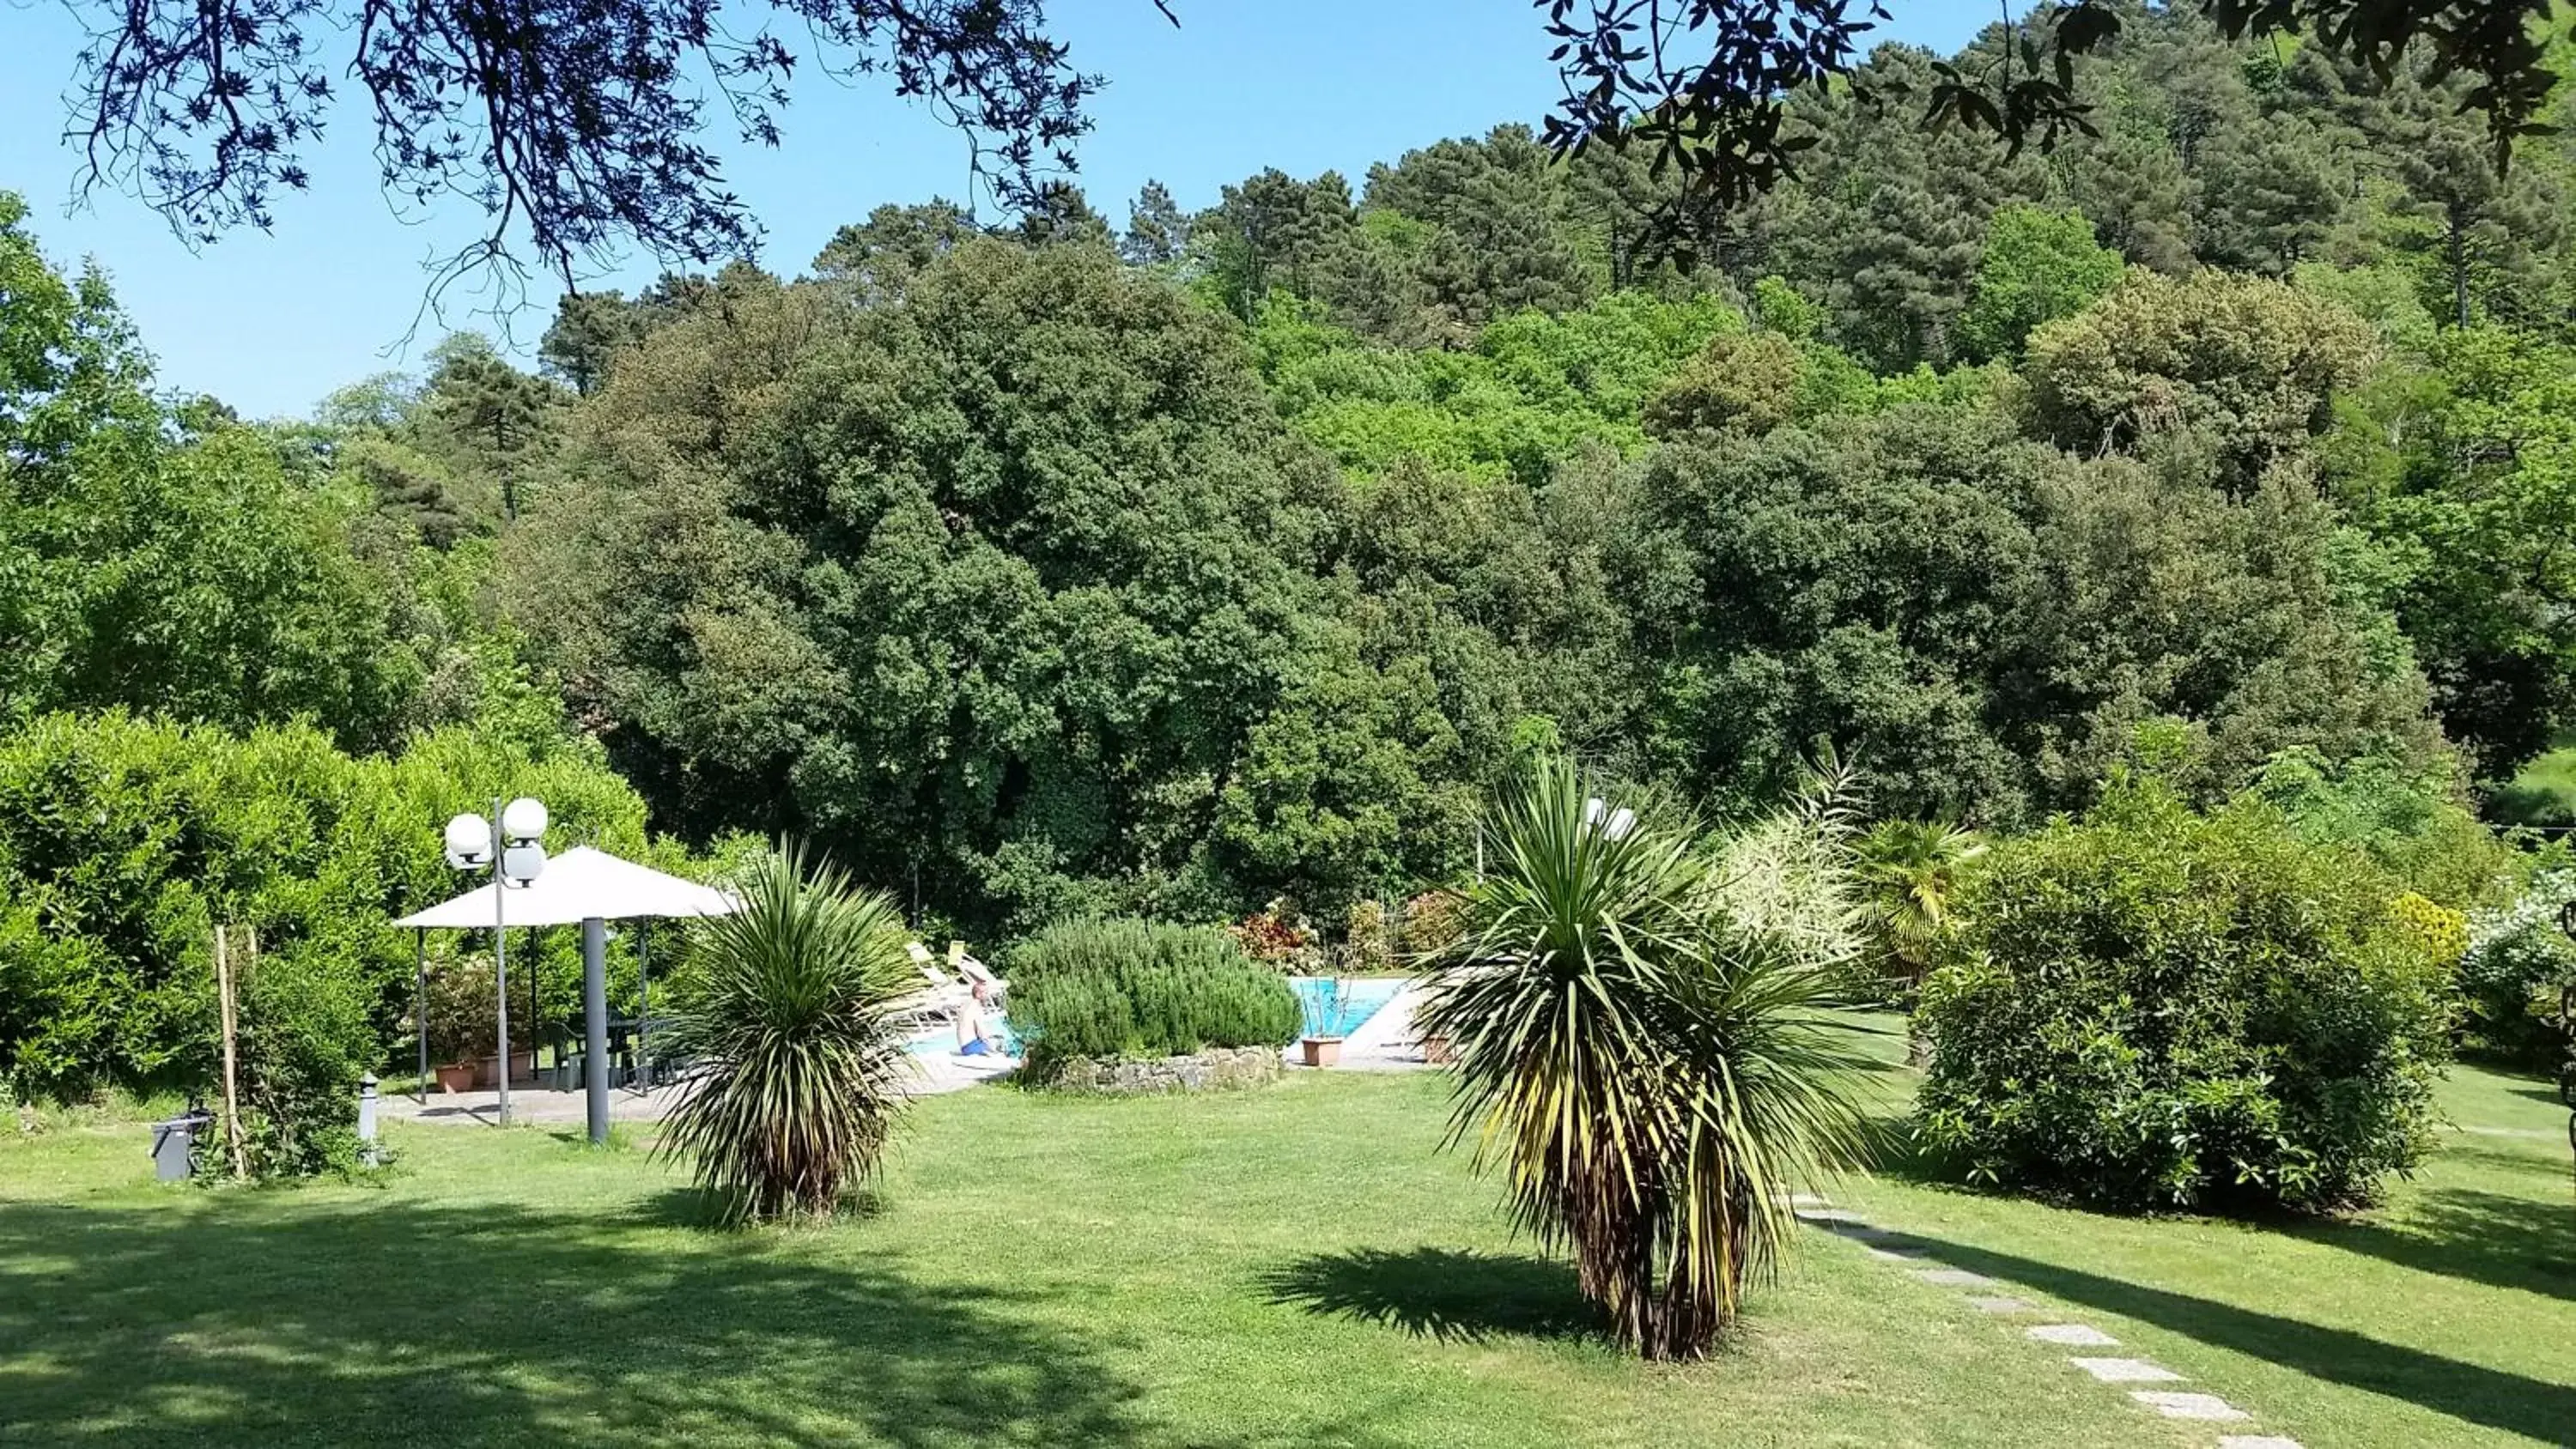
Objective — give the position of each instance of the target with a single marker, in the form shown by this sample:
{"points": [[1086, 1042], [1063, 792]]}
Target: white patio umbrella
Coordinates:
{"points": [[587, 887]]}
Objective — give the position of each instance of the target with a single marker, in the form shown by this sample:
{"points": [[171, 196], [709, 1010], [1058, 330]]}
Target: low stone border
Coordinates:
{"points": [[1199, 1071]]}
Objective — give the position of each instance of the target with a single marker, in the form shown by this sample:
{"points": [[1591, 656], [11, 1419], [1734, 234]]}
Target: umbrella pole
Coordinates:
{"points": [[420, 1009], [643, 1002]]}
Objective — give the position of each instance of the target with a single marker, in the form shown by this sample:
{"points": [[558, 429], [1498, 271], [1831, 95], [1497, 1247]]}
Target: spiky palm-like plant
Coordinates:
{"points": [[1909, 873], [788, 1009], [1652, 1072]]}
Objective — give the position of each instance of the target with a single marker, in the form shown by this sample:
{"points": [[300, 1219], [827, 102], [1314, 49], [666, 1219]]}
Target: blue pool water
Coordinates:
{"points": [[1328, 1013], [1339, 1013]]}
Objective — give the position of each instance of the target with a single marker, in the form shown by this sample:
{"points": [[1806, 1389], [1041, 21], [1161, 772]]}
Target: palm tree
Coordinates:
{"points": [[1653, 1072], [1910, 871], [788, 1007]]}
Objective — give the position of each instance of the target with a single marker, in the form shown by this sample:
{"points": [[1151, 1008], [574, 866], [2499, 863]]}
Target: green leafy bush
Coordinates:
{"points": [[124, 842], [2517, 963], [1129, 988], [2407, 818], [2158, 1009], [304, 1041]]}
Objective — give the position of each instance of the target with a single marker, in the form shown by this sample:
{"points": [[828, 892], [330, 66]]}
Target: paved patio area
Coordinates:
{"points": [[943, 1072], [1383, 1043]]}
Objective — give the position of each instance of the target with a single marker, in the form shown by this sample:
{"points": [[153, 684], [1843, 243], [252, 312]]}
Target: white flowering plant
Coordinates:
{"points": [[2518, 963]]}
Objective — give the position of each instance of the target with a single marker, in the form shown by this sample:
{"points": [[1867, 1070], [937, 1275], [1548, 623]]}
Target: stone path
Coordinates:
{"points": [[1889, 1246]]}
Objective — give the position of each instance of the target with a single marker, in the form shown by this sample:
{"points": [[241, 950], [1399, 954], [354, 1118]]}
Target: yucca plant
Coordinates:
{"points": [[1653, 1072], [788, 1008]]}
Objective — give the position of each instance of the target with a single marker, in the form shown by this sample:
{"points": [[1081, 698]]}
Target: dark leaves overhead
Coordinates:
{"points": [[578, 124], [1706, 85]]}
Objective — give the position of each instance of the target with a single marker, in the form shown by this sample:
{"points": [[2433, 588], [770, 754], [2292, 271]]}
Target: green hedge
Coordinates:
{"points": [[125, 841], [2156, 1009], [1128, 988]]}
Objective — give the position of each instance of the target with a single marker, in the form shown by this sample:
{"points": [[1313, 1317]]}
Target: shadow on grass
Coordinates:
{"points": [[2486, 1237], [2511, 1402], [1438, 1294], [271, 1321]]}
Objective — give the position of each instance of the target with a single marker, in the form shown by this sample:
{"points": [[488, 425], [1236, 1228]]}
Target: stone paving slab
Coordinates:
{"points": [[2126, 1371], [2073, 1335], [1896, 1255], [2189, 1406], [1830, 1217], [2002, 1303], [1953, 1278]]}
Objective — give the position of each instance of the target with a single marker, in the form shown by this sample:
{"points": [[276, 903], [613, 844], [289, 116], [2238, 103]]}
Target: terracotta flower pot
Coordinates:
{"points": [[1322, 1051], [1435, 1050], [458, 1076]]}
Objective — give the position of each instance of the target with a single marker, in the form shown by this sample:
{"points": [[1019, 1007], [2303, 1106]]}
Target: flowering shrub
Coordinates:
{"points": [[2516, 964], [1371, 949], [2443, 932], [1278, 938], [1430, 923]]}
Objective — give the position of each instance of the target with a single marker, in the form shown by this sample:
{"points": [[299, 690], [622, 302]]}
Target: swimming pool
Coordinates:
{"points": [[1339, 1013], [1327, 1012]]}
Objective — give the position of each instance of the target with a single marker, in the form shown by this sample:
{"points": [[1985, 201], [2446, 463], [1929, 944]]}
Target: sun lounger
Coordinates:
{"points": [[941, 996], [976, 972]]}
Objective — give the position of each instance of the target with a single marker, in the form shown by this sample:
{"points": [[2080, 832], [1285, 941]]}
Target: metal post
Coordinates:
{"points": [[500, 963], [420, 1008], [367, 1119], [594, 1005], [643, 1003]]}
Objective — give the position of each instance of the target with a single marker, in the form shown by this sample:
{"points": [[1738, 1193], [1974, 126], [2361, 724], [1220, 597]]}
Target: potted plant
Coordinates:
{"points": [[464, 1024], [1326, 1005]]}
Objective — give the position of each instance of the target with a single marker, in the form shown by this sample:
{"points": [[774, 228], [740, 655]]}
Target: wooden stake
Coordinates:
{"points": [[232, 1099]]}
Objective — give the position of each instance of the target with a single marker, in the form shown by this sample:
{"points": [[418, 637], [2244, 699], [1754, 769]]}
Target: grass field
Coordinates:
{"points": [[1295, 1266], [2544, 791]]}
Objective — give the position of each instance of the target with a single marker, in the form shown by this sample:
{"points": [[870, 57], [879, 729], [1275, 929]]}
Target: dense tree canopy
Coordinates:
{"points": [[1060, 567], [991, 585]]}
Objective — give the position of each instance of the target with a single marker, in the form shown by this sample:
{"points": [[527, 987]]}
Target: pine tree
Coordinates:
{"points": [[583, 340], [2273, 193], [1156, 230]]}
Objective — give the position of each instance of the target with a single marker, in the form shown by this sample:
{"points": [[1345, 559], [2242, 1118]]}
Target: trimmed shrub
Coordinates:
{"points": [[2156, 1009], [1129, 988]]}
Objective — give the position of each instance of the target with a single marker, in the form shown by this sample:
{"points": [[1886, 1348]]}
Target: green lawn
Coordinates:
{"points": [[2544, 791], [1296, 1266]]}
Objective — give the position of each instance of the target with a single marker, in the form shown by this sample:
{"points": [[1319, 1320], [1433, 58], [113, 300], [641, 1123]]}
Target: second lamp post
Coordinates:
{"points": [[510, 846]]}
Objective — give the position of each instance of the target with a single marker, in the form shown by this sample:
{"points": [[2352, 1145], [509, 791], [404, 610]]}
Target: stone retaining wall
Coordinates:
{"points": [[1215, 1067]]}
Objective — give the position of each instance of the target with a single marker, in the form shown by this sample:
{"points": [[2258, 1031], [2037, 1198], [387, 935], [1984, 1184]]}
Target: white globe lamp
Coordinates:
{"points": [[469, 842]]}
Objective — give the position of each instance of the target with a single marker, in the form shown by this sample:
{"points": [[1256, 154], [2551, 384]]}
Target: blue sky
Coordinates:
{"points": [[271, 322]]}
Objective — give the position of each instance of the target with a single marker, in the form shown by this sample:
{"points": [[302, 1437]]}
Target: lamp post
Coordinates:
{"points": [[2567, 1029], [509, 845]]}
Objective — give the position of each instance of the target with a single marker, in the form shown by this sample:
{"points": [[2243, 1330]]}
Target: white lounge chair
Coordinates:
{"points": [[976, 972], [941, 996]]}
